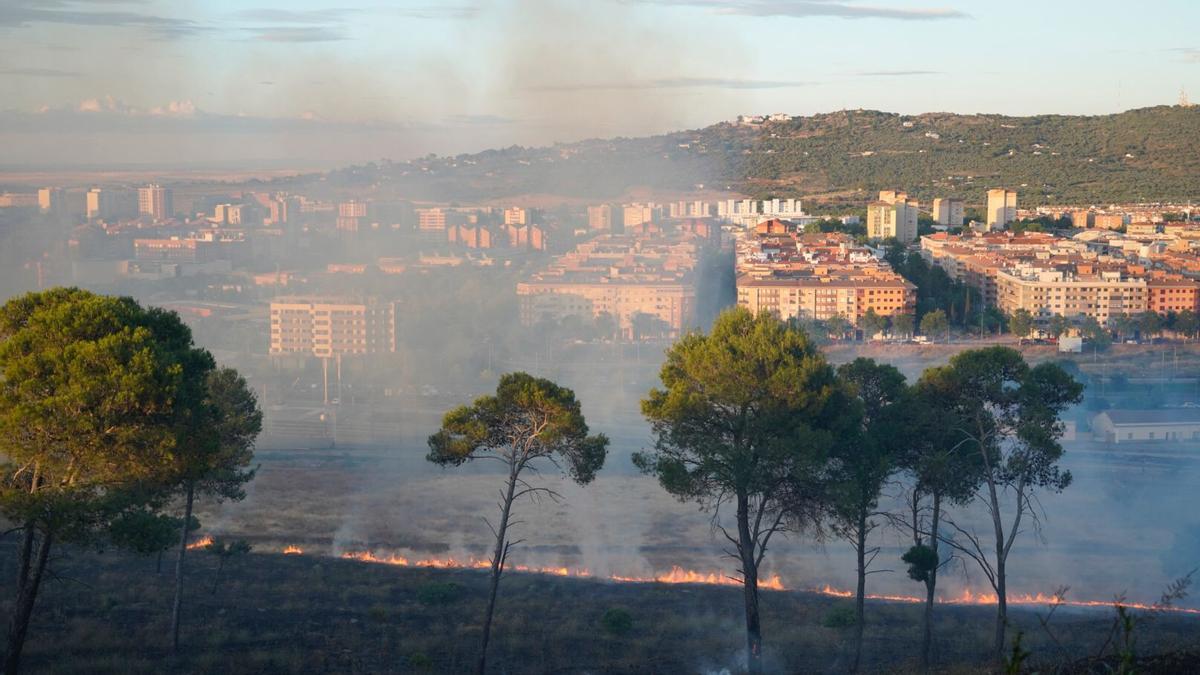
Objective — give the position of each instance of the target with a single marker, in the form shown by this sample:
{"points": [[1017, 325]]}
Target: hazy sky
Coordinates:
{"points": [[223, 81]]}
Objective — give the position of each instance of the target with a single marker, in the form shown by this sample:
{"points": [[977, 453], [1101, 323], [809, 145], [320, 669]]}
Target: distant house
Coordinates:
{"points": [[1141, 426]]}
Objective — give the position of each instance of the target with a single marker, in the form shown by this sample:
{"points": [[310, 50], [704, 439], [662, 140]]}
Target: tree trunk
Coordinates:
{"points": [[747, 546], [28, 583], [497, 568], [931, 585], [1001, 607], [177, 608], [860, 595]]}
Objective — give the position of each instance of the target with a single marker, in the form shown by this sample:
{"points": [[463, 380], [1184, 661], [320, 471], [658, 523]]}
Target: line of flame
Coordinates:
{"points": [[679, 575], [968, 597], [202, 542]]}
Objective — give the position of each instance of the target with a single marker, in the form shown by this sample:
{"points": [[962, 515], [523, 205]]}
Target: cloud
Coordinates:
{"points": [[24, 13], [479, 120], [311, 16], [844, 9], [298, 34], [897, 73], [676, 83], [38, 72]]}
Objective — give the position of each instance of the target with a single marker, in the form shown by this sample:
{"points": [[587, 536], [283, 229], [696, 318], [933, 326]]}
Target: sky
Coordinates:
{"points": [[314, 82]]}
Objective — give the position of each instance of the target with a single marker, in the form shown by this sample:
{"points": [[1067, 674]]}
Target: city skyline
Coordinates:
{"points": [[222, 82]]}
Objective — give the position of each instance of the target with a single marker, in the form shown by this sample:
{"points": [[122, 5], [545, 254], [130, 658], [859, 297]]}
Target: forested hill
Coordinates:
{"points": [[1146, 154]]}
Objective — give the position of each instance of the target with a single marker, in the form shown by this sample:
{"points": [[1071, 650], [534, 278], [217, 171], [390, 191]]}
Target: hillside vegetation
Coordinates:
{"points": [[1149, 154]]}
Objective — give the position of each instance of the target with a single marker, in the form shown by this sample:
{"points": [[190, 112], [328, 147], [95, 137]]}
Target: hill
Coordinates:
{"points": [[1138, 155]]}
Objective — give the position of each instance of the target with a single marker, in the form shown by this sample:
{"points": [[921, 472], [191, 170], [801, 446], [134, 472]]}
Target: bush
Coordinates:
{"points": [[617, 621], [840, 617], [439, 593], [377, 613], [419, 661]]}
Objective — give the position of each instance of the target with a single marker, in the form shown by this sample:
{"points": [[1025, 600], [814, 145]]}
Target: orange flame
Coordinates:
{"points": [[293, 550], [969, 597], [202, 542], [679, 575]]}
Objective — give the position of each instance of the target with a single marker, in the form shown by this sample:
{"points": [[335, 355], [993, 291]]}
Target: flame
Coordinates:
{"points": [[969, 597], [677, 575], [202, 542], [293, 550], [680, 575]]}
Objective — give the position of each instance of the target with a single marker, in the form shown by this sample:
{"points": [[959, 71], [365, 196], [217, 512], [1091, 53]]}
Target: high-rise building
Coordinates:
{"points": [[894, 215], [98, 204], [1001, 208], [50, 200], [1083, 219], [516, 215], [948, 212], [329, 327], [156, 201], [600, 217], [431, 220]]}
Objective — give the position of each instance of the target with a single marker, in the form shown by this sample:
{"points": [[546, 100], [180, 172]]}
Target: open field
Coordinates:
{"points": [[274, 613]]}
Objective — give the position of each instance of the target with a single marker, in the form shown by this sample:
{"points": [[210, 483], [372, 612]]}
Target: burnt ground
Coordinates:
{"points": [[109, 613]]}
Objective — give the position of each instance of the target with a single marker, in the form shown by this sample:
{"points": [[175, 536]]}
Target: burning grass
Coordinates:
{"points": [[308, 613]]}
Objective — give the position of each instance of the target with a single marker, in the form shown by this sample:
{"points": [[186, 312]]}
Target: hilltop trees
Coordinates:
{"points": [[743, 421], [90, 396], [864, 460], [529, 421], [1007, 413], [215, 448]]}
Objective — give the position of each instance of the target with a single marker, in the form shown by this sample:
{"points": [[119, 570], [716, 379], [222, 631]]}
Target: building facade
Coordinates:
{"points": [[327, 328]]}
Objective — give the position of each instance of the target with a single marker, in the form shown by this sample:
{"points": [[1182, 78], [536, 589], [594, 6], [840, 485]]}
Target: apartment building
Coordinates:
{"points": [[52, 200], [620, 275], [948, 212], [1001, 208], [886, 221], [1101, 295], [156, 201], [600, 217], [816, 276], [795, 295], [330, 327], [431, 220]]}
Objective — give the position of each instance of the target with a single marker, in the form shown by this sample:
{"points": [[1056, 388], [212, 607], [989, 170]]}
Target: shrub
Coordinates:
{"points": [[617, 621], [436, 593], [839, 617], [377, 613]]}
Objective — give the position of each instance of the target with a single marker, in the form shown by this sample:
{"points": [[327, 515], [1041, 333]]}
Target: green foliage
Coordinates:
{"points": [[617, 621], [144, 532], [531, 417], [439, 593], [92, 390], [935, 324], [872, 324], [1058, 325], [1020, 323], [1014, 661], [740, 409], [865, 457], [902, 324], [840, 616], [922, 561]]}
